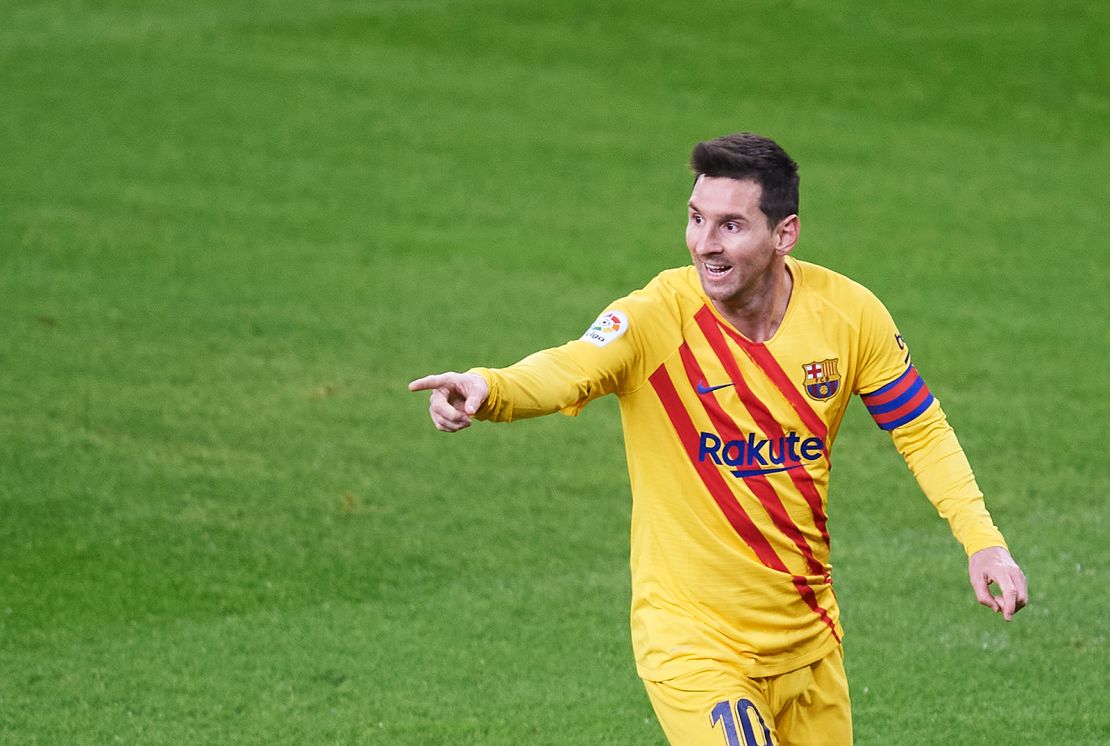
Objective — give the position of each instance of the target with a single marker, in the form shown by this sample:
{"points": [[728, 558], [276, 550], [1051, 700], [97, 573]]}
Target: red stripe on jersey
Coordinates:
{"points": [[762, 357], [722, 494], [758, 483], [766, 421], [810, 598], [718, 488], [902, 411]]}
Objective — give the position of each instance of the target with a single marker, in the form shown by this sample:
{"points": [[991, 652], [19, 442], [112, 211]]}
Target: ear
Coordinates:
{"points": [[786, 234]]}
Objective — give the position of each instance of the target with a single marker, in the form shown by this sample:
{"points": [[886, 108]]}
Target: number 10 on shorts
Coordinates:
{"points": [[751, 723]]}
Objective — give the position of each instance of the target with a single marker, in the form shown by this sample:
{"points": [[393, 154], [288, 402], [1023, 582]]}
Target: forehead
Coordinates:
{"points": [[724, 195]]}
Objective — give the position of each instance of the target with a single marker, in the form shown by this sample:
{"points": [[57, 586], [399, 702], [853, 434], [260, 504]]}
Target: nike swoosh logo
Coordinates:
{"points": [[702, 388], [759, 472]]}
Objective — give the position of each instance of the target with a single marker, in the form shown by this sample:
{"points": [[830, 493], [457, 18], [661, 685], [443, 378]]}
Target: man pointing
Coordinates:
{"points": [[733, 376]]}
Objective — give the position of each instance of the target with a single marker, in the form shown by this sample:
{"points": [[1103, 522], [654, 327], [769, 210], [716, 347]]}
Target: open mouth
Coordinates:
{"points": [[716, 270]]}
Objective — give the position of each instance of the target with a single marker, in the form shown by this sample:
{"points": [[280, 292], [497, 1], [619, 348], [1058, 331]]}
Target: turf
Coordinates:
{"points": [[231, 232]]}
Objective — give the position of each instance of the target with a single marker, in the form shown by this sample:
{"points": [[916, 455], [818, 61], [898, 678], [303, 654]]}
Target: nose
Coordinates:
{"points": [[703, 240]]}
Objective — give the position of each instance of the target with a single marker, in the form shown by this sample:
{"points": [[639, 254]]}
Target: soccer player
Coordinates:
{"points": [[733, 376]]}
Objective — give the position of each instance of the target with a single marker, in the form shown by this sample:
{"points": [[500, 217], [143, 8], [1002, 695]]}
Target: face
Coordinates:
{"points": [[736, 254]]}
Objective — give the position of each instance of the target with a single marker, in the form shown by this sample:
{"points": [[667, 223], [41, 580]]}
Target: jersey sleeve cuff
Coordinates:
{"points": [[491, 406]]}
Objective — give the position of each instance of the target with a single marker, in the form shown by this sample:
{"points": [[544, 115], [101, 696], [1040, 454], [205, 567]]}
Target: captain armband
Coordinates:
{"points": [[900, 401]]}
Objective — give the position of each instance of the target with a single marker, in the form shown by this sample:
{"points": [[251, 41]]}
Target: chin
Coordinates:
{"points": [[717, 294], [715, 291]]}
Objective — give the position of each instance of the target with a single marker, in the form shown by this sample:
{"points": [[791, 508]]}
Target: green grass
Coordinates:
{"points": [[231, 232]]}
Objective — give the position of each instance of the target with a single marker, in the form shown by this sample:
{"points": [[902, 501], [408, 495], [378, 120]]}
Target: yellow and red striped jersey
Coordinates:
{"points": [[728, 445]]}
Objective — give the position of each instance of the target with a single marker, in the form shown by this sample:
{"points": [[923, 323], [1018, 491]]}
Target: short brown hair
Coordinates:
{"points": [[748, 156]]}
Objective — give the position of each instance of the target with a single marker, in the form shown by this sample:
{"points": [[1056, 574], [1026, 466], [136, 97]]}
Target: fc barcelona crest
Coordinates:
{"points": [[822, 380]]}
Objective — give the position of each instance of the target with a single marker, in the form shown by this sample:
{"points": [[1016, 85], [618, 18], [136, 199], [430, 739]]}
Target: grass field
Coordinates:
{"points": [[231, 232]]}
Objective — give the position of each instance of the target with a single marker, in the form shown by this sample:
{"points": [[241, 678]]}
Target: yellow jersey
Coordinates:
{"points": [[728, 444]]}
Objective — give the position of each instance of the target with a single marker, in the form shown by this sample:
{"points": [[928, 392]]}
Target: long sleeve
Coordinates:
{"points": [[933, 454], [554, 380], [899, 401], [608, 358]]}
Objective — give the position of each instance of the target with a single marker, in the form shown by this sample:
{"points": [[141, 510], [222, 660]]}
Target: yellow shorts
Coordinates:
{"points": [[806, 707]]}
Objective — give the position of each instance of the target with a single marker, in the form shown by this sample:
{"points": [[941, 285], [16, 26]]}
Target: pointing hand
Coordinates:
{"points": [[455, 398]]}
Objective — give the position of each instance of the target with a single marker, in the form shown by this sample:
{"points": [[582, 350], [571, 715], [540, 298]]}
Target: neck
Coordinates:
{"points": [[758, 315]]}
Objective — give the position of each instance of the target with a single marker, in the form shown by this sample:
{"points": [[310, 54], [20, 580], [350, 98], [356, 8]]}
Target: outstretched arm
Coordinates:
{"points": [[558, 379], [455, 398], [994, 564]]}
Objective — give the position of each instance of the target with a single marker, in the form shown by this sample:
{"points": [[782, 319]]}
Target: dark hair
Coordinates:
{"points": [[759, 159]]}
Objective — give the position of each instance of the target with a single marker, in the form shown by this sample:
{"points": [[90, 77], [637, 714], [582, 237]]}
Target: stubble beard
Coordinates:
{"points": [[747, 286]]}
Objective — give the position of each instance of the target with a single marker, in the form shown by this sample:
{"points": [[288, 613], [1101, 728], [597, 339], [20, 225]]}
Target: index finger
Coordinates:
{"points": [[429, 382], [983, 595]]}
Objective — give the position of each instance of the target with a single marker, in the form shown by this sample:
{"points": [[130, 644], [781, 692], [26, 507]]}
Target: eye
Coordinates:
{"points": [[696, 219], [731, 227]]}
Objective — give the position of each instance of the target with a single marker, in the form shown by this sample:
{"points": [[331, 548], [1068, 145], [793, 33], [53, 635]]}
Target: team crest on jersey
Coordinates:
{"points": [[608, 327], [822, 380]]}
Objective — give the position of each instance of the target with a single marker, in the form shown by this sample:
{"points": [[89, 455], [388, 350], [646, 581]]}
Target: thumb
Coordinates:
{"points": [[474, 398], [983, 593]]}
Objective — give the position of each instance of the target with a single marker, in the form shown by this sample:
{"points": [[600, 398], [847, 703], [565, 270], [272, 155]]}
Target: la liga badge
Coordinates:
{"points": [[822, 380], [608, 327]]}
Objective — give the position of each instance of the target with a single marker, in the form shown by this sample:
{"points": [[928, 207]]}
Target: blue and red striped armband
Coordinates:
{"points": [[900, 401]]}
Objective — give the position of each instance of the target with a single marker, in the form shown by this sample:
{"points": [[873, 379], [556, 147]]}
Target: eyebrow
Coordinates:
{"points": [[724, 218]]}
